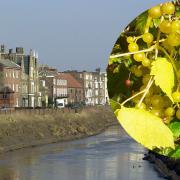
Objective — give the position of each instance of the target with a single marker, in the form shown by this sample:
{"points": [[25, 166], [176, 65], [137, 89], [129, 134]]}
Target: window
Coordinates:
{"points": [[96, 100], [54, 90], [13, 74], [54, 81], [17, 88], [13, 87], [24, 87], [17, 74], [43, 83], [6, 74], [4, 96], [17, 102], [31, 73], [32, 87]]}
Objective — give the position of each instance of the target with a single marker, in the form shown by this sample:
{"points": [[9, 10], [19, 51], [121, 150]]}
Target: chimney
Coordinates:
{"points": [[31, 52], [19, 50], [98, 70], [2, 48], [10, 51]]}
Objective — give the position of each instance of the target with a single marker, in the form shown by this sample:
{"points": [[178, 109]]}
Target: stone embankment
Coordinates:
{"points": [[23, 129]]}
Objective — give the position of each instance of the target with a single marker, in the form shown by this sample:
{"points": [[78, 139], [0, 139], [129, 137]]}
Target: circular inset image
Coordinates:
{"points": [[144, 79]]}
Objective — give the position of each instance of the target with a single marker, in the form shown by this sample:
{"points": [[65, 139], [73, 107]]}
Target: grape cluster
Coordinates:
{"points": [[168, 39]]}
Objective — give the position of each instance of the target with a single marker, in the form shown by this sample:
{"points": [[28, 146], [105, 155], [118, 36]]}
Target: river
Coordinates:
{"points": [[111, 155]]}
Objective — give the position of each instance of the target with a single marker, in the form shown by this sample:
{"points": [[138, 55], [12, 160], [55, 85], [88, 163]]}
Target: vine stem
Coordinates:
{"points": [[157, 43], [124, 102], [177, 105], [129, 53], [148, 22], [146, 90]]}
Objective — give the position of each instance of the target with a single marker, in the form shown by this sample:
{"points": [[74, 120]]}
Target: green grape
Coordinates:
{"points": [[147, 100], [165, 26], [145, 70], [146, 78], [157, 112], [142, 106], [167, 46], [150, 93], [138, 72], [148, 38], [142, 87], [173, 39], [175, 26], [133, 68], [176, 96], [155, 12], [130, 39], [146, 62], [156, 89], [167, 101], [132, 47], [157, 101], [168, 8], [136, 99], [167, 120], [178, 114], [139, 57], [169, 111]]}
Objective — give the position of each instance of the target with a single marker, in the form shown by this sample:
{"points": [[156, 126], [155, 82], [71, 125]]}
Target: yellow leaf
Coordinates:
{"points": [[163, 75], [145, 128]]}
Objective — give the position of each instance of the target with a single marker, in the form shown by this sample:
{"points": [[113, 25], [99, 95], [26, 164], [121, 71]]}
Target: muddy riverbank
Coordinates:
{"points": [[20, 130], [167, 168]]}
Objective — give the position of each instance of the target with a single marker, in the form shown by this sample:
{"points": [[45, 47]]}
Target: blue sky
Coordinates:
{"points": [[68, 34]]}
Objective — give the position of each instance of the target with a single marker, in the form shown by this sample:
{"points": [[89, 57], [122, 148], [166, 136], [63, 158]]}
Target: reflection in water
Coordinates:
{"points": [[109, 156]]}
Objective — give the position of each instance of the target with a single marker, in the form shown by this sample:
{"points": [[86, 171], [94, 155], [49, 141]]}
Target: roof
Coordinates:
{"points": [[45, 74], [71, 81], [8, 63]]}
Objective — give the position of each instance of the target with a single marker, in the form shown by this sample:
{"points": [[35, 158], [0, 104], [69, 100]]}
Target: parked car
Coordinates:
{"points": [[5, 109], [60, 103]]}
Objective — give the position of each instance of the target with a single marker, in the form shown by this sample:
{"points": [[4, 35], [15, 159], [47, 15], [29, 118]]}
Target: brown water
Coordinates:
{"points": [[111, 155]]}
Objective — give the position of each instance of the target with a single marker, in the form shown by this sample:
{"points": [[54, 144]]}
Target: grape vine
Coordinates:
{"points": [[144, 78]]}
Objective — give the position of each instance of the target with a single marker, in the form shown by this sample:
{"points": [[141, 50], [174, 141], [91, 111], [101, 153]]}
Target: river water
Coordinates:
{"points": [[111, 155]]}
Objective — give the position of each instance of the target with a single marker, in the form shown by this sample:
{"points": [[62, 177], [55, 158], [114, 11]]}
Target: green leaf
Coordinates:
{"points": [[116, 69], [156, 22], [114, 60], [174, 126], [114, 105], [145, 128], [175, 153], [164, 75], [141, 22]]}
